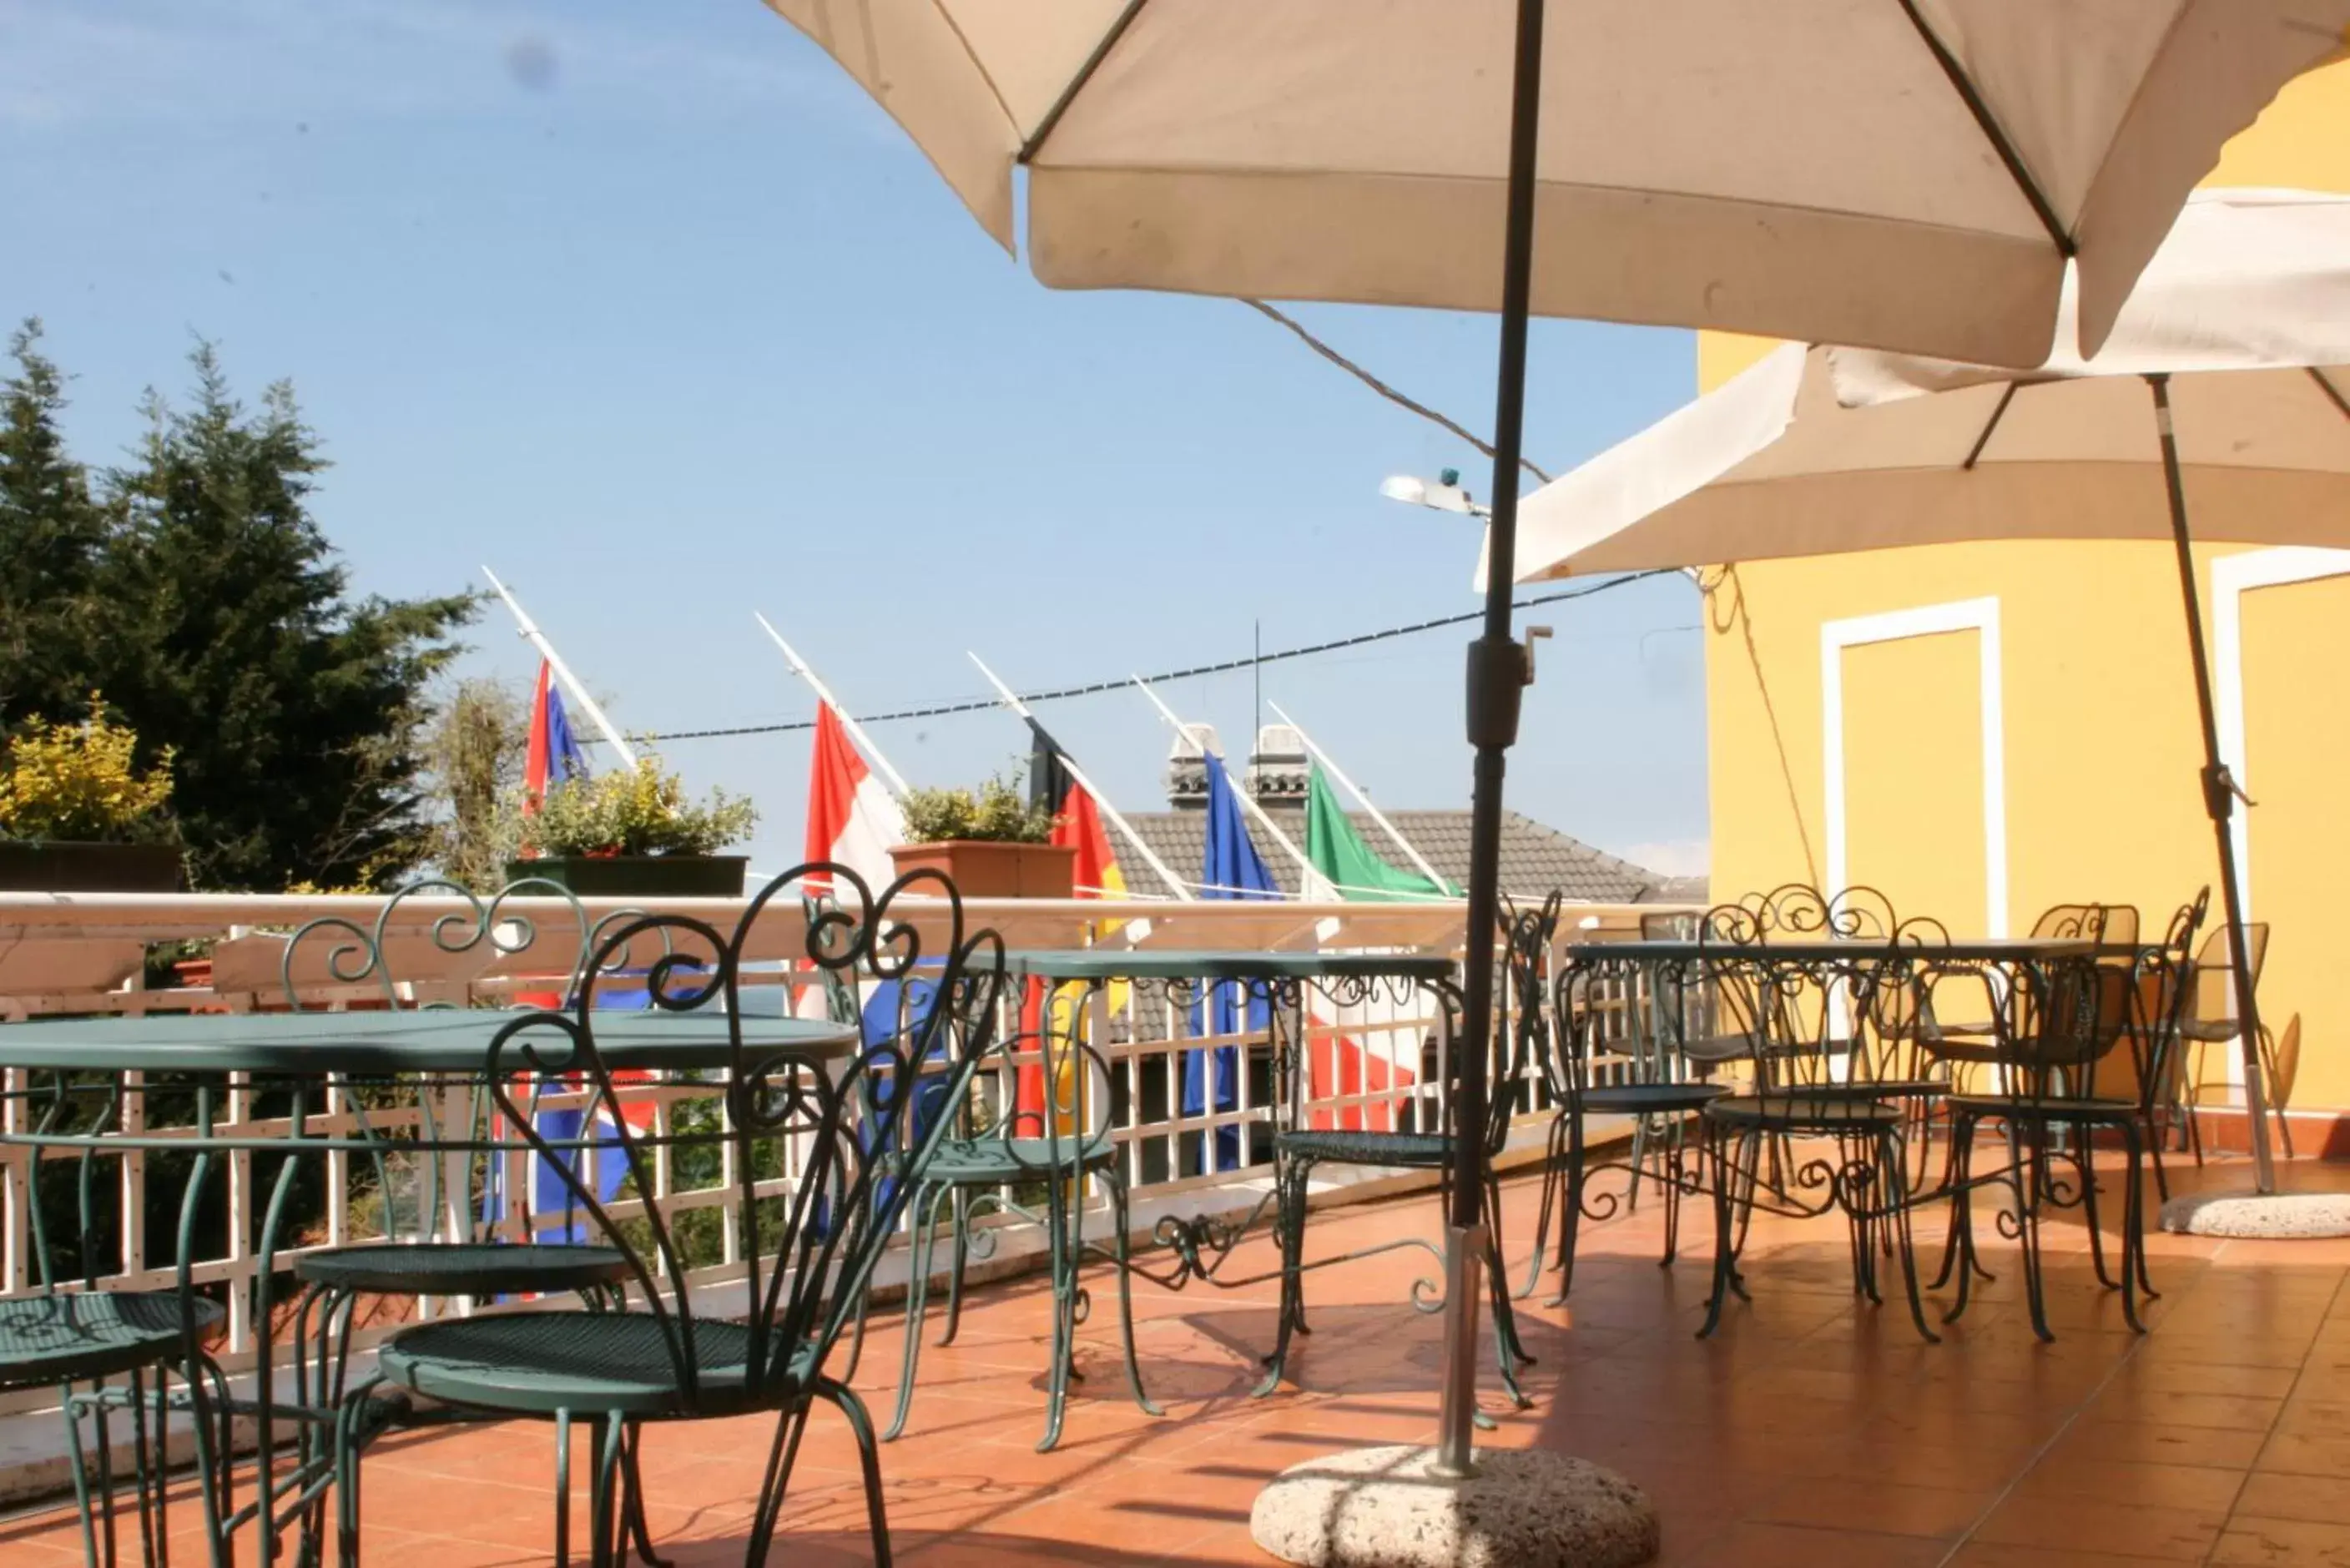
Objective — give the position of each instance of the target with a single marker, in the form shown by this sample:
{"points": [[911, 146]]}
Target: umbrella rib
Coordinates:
{"points": [[2333, 393], [1989, 124], [1999, 412], [1035, 142]]}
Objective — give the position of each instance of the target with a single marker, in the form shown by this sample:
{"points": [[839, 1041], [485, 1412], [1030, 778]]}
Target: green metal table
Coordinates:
{"points": [[306, 1051], [1201, 1245]]}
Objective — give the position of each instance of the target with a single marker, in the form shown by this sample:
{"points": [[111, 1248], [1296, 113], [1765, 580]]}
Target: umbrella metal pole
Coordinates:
{"points": [[2219, 800], [1497, 677]]}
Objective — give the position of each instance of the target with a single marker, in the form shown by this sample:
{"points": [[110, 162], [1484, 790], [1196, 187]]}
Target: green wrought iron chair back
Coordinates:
{"points": [[846, 1131], [497, 1199]]}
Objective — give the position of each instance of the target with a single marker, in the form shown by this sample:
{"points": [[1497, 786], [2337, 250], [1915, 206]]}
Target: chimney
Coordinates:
{"points": [[1278, 774], [1187, 774]]}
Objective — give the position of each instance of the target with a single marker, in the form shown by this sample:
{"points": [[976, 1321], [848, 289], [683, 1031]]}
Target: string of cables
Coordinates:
{"points": [[1061, 693]]}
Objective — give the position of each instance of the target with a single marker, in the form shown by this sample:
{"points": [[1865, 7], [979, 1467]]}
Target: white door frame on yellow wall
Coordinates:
{"points": [[1978, 615], [2233, 576]]}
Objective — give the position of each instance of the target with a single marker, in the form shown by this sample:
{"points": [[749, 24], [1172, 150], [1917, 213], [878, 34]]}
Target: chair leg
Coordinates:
{"points": [[1717, 1145], [1956, 1166], [1290, 1176], [1065, 1237], [1553, 1178], [2133, 1230], [1895, 1159], [783, 1453], [1570, 1220], [632, 1497], [603, 1510], [1120, 1245], [925, 1208], [868, 1459], [958, 1259], [2030, 1186], [1673, 1154], [2090, 1217]]}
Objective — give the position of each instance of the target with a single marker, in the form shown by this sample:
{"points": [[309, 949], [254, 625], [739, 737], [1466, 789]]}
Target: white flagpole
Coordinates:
{"points": [[1356, 790], [1182, 891], [824, 695], [1248, 802], [537, 639]]}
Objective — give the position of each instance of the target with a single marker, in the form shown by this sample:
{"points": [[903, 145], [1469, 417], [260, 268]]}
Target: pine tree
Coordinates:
{"points": [[53, 536], [297, 715]]}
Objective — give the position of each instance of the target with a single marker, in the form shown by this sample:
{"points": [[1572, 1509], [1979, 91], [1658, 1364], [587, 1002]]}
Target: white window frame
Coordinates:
{"points": [[1980, 615], [2233, 576]]}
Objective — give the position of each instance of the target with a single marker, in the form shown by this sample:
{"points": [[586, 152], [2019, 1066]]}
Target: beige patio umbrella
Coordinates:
{"points": [[2242, 325], [1911, 174]]}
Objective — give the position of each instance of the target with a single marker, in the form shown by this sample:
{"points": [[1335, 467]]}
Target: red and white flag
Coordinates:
{"points": [[852, 820]]}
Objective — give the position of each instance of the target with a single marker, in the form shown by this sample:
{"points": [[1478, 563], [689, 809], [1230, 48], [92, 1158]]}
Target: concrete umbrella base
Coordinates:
{"points": [[2273, 1216], [1389, 1508]]}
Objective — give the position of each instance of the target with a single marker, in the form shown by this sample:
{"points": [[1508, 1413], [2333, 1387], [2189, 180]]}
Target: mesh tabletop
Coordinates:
{"points": [[463, 1268], [1848, 950], [575, 1361], [442, 1040], [1345, 1146], [1151, 963], [76, 1335]]}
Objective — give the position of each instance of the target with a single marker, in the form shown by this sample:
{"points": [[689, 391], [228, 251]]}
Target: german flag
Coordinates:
{"points": [[1076, 824], [1077, 819]]}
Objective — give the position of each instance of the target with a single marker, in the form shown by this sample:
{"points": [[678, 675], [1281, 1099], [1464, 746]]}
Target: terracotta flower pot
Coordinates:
{"points": [[984, 870], [59, 866]]}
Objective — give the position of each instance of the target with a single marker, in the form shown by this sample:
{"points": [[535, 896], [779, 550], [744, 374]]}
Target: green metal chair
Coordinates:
{"points": [[110, 1353], [1520, 1031], [1030, 1152], [450, 1246], [805, 1257]]}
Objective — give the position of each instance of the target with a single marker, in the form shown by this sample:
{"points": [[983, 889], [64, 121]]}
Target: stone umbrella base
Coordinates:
{"points": [[2272, 1216], [1390, 1507]]}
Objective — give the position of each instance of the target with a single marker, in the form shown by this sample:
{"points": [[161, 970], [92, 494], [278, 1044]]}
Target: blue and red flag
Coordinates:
{"points": [[1233, 869], [553, 755]]}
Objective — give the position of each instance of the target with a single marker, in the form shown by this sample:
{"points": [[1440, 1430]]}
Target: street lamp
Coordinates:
{"points": [[1444, 496]]}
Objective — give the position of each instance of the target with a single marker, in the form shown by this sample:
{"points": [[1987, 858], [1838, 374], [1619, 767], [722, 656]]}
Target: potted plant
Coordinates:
{"points": [[631, 833], [77, 816], [992, 844]]}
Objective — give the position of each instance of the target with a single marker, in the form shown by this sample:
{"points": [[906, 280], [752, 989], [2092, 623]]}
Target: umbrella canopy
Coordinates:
{"points": [[2240, 328], [1905, 173], [1772, 463], [1910, 174]]}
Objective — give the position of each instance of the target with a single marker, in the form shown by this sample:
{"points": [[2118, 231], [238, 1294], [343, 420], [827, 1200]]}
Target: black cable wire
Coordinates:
{"points": [[1092, 688]]}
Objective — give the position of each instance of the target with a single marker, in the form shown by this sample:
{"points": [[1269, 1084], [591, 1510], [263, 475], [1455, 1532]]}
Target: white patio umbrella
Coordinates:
{"points": [[2241, 326], [1912, 174]]}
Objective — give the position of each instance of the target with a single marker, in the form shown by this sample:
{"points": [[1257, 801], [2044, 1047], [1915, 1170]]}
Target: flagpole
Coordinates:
{"points": [[537, 639], [1125, 827], [1352, 788], [1248, 802], [824, 695]]}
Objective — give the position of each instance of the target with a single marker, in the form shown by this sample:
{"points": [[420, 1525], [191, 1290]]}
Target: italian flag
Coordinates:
{"points": [[1342, 1060]]}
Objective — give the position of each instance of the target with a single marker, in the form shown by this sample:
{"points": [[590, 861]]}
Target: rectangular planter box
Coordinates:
{"points": [[640, 876], [43, 866], [995, 871]]}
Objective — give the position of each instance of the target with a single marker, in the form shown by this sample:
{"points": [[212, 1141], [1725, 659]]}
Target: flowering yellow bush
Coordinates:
{"points": [[76, 782], [633, 811]]}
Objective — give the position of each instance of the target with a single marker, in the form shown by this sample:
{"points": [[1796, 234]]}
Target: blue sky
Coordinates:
{"points": [[649, 308]]}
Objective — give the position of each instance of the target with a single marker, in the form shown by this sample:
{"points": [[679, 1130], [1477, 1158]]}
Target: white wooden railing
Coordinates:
{"points": [[84, 954]]}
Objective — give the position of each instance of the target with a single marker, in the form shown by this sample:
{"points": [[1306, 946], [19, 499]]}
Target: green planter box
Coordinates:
{"points": [[640, 876], [46, 865]]}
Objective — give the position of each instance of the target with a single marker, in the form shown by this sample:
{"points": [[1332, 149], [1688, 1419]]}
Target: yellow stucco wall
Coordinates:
{"points": [[2097, 712]]}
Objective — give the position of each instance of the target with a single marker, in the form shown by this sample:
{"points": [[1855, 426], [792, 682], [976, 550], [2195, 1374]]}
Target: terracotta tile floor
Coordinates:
{"points": [[1812, 1430]]}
